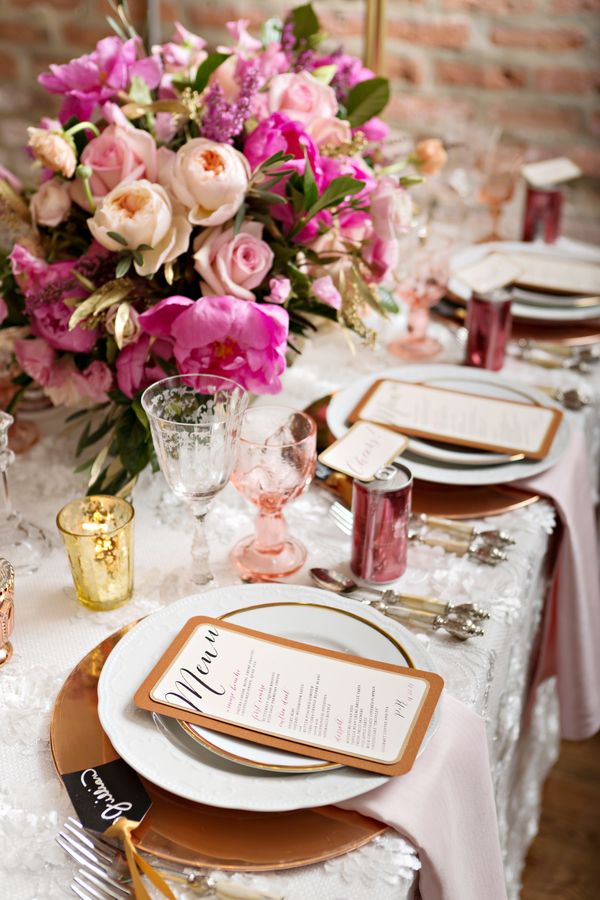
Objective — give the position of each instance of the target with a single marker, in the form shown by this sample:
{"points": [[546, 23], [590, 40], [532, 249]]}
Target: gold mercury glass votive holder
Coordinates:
{"points": [[98, 536], [7, 609]]}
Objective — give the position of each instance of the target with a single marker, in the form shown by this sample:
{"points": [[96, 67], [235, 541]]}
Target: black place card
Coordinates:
{"points": [[102, 794]]}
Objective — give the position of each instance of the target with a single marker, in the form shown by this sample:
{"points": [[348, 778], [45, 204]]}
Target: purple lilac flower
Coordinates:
{"points": [[223, 120]]}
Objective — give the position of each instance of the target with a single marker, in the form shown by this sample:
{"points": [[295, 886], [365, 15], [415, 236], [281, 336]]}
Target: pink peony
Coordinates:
{"points": [[382, 256], [36, 358], [92, 79], [135, 370], [62, 381], [280, 289], [51, 322], [375, 130], [325, 290], [280, 133], [238, 339], [96, 381], [231, 263], [117, 155], [302, 97]]}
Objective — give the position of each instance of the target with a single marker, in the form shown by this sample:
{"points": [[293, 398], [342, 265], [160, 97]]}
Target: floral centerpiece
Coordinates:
{"points": [[197, 210]]}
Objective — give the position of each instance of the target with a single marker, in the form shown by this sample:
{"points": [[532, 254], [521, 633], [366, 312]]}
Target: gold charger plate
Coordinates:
{"points": [[450, 501], [192, 834]]}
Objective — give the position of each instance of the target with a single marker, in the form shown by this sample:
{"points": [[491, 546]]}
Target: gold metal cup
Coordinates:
{"points": [[7, 610], [98, 536]]}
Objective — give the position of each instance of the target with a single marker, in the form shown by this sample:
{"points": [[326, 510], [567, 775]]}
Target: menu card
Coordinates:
{"points": [[494, 271], [363, 450], [549, 172], [294, 696], [557, 274], [454, 417]]}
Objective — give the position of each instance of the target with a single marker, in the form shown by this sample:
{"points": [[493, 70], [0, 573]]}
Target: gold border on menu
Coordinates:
{"points": [[406, 754], [324, 766], [544, 447]]}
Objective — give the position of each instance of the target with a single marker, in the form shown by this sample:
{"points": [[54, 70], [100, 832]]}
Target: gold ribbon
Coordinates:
{"points": [[122, 829]]}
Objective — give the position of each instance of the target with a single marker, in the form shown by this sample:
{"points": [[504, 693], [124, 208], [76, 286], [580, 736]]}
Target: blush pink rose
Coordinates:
{"points": [[329, 131], [302, 97], [279, 290], [238, 339], [117, 155], [325, 290], [51, 204], [391, 209], [231, 263], [208, 178]]}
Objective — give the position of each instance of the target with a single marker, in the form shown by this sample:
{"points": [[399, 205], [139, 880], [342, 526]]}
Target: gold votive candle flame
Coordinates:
{"points": [[98, 535]]}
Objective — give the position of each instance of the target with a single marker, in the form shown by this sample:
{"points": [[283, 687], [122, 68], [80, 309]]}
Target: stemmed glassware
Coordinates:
{"points": [[501, 170], [276, 463], [21, 542], [195, 422], [422, 281]]}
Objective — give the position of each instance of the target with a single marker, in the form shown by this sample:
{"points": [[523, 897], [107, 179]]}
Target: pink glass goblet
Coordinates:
{"points": [[275, 464], [423, 284]]}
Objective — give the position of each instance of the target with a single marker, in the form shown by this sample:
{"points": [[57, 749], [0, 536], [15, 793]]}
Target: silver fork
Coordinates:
{"points": [[105, 873], [477, 548]]}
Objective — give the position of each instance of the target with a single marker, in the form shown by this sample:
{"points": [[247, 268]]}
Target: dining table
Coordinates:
{"points": [[488, 674]]}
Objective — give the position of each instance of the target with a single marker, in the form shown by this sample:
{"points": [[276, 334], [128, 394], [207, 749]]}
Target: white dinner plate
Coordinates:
{"points": [[304, 623], [475, 381], [571, 250], [159, 750]]}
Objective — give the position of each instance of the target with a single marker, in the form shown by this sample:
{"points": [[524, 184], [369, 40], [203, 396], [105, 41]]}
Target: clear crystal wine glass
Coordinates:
{"points": [[276, 463], [195, 422], [21, 542]]}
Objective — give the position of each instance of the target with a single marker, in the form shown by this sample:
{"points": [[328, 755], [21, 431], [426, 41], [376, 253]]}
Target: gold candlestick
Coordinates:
{"points": [[374, 55]]}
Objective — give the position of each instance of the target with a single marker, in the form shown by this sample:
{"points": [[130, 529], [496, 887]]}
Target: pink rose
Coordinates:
{"points": [[117, 155], [238, 339], [96, 380], [135, 370], [331, 131], [280, 289], [381, 256], [325, 290], [142, 213], [208, 178], [301, 96], [51, 204], [232, 264], [3, 310], [391, 209]]}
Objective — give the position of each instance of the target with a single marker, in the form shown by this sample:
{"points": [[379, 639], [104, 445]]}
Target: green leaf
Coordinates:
{"points": [[124, 265], [409, 180], [138, 409], [387, 300], [117, 237], [267, 196], [367, 99], [138, 257], [324, 73], [311, 191], [206, 68], [239, 218], [305, 22], [139, 90]]}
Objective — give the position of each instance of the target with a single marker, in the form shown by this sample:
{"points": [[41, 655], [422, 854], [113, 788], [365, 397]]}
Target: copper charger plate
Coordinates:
{"points": [[452, 502], [192, 834]]}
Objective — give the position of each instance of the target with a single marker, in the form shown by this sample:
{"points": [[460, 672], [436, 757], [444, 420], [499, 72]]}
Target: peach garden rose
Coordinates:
{"points": [[142, 213], [54, 150]]}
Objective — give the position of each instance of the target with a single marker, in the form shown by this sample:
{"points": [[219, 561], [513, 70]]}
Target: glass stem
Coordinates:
{"points": [[417, 322], [5, 504], [270, 532], [495, 213], [201, 573]]}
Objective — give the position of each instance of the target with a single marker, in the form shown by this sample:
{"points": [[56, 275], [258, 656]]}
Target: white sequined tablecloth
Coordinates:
{"points": [[488, 674]]}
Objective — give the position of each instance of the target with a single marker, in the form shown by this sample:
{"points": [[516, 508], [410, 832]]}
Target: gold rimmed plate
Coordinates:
{"points": [[193, 834], [309, 622]]}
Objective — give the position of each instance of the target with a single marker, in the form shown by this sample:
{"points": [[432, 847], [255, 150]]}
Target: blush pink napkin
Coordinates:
{"points": [[445, 807], [570, 637]]}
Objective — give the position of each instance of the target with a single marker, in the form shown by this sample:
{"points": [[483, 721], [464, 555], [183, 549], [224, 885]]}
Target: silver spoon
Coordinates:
{"points": [[334, 581]]}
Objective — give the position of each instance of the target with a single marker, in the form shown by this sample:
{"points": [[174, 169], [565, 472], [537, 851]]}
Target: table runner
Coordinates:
{"points": [[445, 807], [570, 634]]}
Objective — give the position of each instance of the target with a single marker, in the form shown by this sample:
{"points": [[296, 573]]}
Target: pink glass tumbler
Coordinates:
{"points": [[543, 208], [488, 326], [381, 510]]}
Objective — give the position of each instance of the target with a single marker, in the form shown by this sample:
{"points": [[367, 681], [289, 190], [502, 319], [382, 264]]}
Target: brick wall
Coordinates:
{"points": [[531, 66]]}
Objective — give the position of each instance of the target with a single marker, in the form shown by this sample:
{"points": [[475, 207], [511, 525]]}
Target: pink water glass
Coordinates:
{"points": [[488, 327], [276, 463], [543, 208], [381, 512]]}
